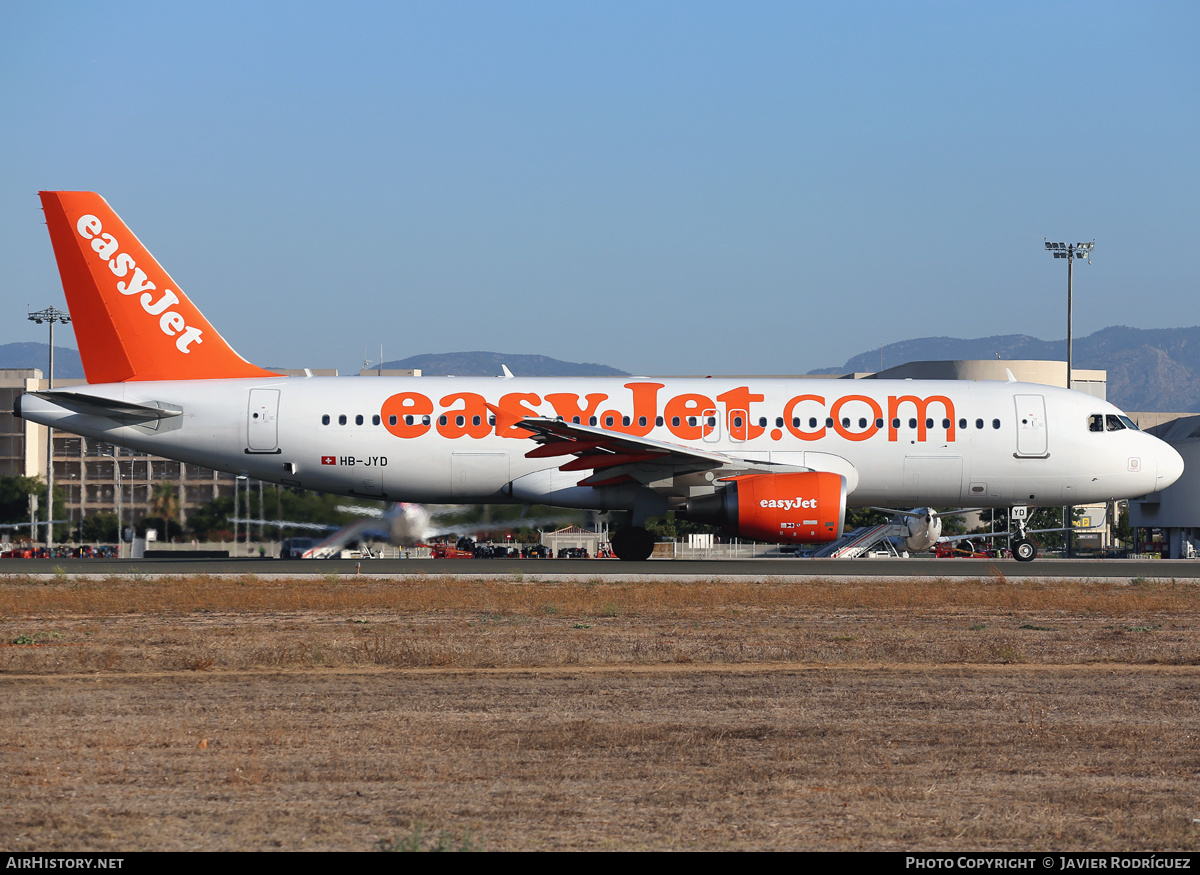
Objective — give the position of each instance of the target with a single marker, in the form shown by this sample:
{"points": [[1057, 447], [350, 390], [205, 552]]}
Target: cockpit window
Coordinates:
{"points": [[1096, 422], [1129, 423], [1113, 423]]}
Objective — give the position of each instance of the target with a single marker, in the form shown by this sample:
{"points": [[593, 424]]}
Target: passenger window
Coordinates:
{"points": [[737, 422], [475, 420], [779, 422], [674, 421], [979, 423], [692, 421], [712, 422], [912, 423], [879, 423], [762, 422], [342, 419], [375, 419], [962, 423], [995, 423], [491, 420], [658, 420], [358, 420], [642, 421], [425, 420], [929, 423], [862, 422], [442, 420], [460, 420], [896, 422], [325, 419], [625, 420], [591, 420], [575, 419], [608, 420], [946, 424]]}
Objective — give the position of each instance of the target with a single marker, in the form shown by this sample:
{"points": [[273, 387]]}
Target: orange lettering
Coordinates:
{"points": [[645, 408], [681, 407], [567, 406], [471, 419], [921, 404], [836, 413], [739, 400], [406, 404]]}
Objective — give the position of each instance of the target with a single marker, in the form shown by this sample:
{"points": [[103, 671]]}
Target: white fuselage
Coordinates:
{"points": [[433, 439]]}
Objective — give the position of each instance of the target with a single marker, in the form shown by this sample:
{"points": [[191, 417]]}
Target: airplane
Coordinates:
{"points": [[771, 459]]}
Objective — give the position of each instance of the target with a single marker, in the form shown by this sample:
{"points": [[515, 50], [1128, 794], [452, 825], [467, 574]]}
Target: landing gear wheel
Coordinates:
{"points": [[633, 544], [1024, 550]]}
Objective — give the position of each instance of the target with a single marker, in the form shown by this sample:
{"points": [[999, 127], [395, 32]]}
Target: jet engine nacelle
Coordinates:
{"points": [[802, 507], [923, 530]]}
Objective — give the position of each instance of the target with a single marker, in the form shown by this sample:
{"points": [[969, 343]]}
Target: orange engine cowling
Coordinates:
{"points": [[801, 507]]}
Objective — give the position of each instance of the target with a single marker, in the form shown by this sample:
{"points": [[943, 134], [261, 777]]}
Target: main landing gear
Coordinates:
{"points": [[1023, 549], [633, 543]]}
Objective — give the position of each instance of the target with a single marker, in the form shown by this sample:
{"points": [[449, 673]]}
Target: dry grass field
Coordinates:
{"points": [[197, 713]]}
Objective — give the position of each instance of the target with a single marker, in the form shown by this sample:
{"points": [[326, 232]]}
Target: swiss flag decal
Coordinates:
{"points": [[329, 460]]}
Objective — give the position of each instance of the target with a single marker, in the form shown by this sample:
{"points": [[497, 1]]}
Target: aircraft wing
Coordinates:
{"points": [[614, 457]]}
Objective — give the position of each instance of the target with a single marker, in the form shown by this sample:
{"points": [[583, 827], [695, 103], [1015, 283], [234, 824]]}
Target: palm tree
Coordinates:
{"points": [[164, 503]]}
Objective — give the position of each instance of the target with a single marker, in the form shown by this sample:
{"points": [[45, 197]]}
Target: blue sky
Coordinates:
{"points": [[662, 187]]}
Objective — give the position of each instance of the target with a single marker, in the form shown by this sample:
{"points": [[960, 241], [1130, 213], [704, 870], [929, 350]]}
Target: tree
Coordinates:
{"points": [[164, 504], [14, 503], [99, 527]]}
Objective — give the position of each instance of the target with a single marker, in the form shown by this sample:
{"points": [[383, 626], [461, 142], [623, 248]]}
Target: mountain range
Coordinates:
{"points": [[1148, 369], [487, 364]]}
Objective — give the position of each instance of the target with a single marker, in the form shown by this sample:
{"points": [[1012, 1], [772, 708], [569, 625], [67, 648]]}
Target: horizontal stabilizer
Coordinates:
{"points": [[92, 405]]}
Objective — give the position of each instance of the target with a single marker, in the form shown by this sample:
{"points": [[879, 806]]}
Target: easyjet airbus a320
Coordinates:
{"points": [[771, 459]]}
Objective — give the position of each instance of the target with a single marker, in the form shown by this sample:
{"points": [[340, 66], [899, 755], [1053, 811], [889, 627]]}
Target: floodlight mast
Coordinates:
{"points": [[1070, 251], [51, 315]]}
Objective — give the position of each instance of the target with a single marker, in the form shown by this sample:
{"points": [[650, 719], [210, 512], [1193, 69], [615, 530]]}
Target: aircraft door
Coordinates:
{"points": [[1031, 426], [262, 421]]}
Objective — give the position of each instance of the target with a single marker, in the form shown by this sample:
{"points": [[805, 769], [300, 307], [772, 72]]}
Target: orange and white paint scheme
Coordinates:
{"points": [[772, 459]]}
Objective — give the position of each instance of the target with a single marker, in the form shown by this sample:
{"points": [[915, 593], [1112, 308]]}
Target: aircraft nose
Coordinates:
{"points": [[1170, 466]]}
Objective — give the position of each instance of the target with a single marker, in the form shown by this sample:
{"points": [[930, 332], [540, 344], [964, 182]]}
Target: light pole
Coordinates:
{"points": [[1070, 251], [120, 488], [51, 315]]}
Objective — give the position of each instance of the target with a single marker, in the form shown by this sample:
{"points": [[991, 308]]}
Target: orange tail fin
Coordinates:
{"points": [[131, 320]]}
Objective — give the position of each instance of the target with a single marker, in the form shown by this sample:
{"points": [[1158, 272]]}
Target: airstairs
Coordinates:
{"points": [[862, 540]]}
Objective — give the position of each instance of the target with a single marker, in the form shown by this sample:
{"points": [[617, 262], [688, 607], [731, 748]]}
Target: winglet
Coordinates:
{"points": [[1011, 378], [131, 320], [509, 419]]}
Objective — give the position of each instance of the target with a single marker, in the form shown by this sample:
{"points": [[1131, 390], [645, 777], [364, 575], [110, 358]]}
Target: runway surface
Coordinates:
{"points": [[611, 568]]}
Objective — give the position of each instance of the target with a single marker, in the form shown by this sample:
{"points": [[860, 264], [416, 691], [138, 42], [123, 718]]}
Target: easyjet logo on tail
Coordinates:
{"points": [[107, 249], [131, 320]]}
